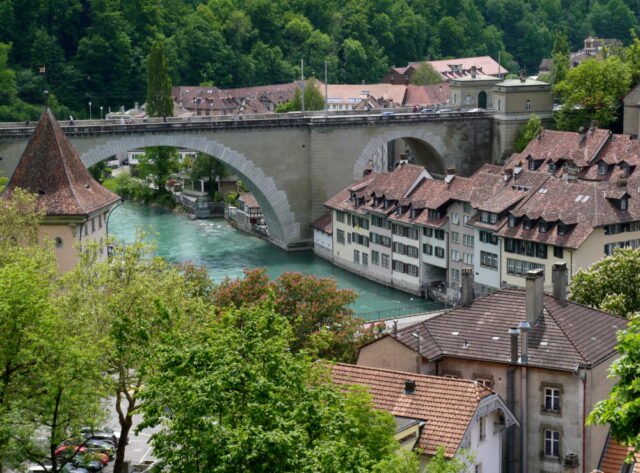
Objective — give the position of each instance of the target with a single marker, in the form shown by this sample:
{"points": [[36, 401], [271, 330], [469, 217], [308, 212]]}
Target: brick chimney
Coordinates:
{"points": [[466, 287], [514, 332], [559, 278], [450, 174], [535, 293]]}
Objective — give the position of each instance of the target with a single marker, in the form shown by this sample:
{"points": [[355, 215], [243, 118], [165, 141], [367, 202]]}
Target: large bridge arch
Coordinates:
{"points": [[433, 142], [283, 226]]}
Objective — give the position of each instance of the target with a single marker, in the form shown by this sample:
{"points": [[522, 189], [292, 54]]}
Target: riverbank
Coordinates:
{"points": [[226, 252]]}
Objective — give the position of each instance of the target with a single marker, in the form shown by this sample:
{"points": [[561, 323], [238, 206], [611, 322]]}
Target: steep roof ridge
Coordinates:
{"points": [[530, 196], [566, 335], [56, 130], [598, 148]]}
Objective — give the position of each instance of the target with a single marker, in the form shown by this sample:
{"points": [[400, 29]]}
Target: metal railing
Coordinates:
{"points": [[403, 311]]}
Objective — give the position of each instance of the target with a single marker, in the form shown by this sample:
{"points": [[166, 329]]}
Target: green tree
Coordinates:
{"points": [[560, 55], [426, 75], [318, 311], [593, 91], [236, 398], [136, 301], [611, 284], [157, 163], [313, 99], [527, 132], [207, 167], [439, 463], [159, 101], [622, 410]]}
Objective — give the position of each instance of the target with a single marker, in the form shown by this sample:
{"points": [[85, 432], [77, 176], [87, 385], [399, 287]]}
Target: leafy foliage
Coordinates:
{"points": [[236, 398], [316, 308], [426, 75], [440, 464], [159, 101], [527, 132], [611, 284], [622, 410]]}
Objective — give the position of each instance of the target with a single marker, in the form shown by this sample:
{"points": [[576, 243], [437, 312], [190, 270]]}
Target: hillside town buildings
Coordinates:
{"points": [[547, 357], [593, 48], [568, 197], [76, 207], [448, 69]]}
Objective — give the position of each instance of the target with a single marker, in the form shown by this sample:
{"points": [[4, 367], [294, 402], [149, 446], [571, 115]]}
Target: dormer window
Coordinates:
{"points": [[526, 223], [603, 168], [488, 217], [513, 221], [551, 167], [562, 229], [543, 226], [353, 195], [624, 203], [385, 204], [398, 210], [434, 214], [414, 213]]}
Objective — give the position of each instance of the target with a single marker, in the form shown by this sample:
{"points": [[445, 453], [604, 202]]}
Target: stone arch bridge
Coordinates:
{"points": [[292, 163]]}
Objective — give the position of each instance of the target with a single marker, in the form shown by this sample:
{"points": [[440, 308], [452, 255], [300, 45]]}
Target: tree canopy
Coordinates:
{"points": [[96, 50], [527, 132], [159, 101], [426, 75]]}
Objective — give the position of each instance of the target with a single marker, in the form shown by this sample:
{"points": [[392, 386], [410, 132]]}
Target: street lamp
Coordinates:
{"points": [[100, 112], [89, 110]]}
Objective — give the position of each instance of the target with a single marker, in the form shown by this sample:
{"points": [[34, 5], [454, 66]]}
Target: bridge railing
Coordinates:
{"points": [[344, 116]]}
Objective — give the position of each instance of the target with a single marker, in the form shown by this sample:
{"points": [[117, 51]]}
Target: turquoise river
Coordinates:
{"points": [[225, 251]]}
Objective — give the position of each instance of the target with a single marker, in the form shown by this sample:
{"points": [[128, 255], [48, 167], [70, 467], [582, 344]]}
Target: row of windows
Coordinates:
{"points": [[406, 268], [610, 247], [621, 227], [360, 239], [352, 220], [488, 237], [375, 259], [488, 260], [433, 233], [528, 248], [437, 251], [520, 268], [408, 232], [382, 222], [405, 249], [357, 259], [543, 226], [380, 239]]}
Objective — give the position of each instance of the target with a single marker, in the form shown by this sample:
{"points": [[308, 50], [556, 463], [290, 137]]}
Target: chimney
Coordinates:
{"points": [[535, 292], [524, 328], [473, 72], [514, 332], [466, 288], [508, 174], [559, 277], [395, 327], [450, 173], [522, 76], [409, 386]]}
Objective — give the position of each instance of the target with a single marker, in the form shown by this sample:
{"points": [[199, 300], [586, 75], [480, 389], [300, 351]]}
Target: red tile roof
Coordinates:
{"points": [[446, 405], [323, 223], [249, 200], [436, 94], [51, 168], [613, 458], [567, 334], [449, 68]]}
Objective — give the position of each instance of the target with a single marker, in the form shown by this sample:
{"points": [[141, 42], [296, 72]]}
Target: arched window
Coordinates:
{"points": [[499, 104]]}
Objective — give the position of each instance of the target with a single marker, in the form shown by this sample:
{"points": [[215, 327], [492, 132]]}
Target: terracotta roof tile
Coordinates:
{"points": [[447, 405], [249, 200], [566, 334], [51, 168], [323, 223], [613, 458]]}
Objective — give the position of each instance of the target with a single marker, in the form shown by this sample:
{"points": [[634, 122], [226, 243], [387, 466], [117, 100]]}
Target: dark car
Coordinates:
{"points": [[104, 435], [88, 462], [71, 468]]}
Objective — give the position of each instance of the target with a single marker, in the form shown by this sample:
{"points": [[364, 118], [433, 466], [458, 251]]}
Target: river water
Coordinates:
{"points": [[225, 252]]}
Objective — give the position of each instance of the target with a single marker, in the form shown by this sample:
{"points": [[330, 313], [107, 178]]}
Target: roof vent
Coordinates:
{"points": [[86, 186], [409, 386]]}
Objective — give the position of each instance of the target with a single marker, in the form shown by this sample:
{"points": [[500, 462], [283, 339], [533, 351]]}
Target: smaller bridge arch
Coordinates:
{"points": [[283, 226], [434, 145]]}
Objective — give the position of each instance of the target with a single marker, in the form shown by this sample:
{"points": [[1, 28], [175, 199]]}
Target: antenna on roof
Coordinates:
{"points": [[46, 98]]}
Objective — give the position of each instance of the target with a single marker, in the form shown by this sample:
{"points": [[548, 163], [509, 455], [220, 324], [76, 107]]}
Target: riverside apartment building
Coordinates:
{"points": [[568, 197]]}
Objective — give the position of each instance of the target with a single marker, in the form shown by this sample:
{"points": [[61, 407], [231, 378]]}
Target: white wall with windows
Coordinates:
{"points": [[487, 258]]}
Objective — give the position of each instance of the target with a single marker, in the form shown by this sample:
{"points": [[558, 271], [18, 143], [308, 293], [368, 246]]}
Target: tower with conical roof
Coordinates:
{"points": [[75, 205]]}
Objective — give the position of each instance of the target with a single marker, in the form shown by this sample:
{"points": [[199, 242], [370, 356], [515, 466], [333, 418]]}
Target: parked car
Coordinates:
{"points": [[71, 468], [108, 435], [40, 469], [427, 110], [101, 446], [67, 451], [92, 461]]}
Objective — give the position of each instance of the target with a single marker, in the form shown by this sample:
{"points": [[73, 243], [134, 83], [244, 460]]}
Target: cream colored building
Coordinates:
{"points": [[472, 91], [527, 347], [76, 207]]}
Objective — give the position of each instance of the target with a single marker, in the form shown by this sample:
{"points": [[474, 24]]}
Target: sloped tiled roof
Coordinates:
{"points": [[613, 458], [323, 223], [566, 335], [446, 405], [51, 168], [249, 200], [427, 94]]}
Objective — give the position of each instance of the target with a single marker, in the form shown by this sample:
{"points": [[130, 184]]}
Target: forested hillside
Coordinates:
{"points": [[95, 50]]}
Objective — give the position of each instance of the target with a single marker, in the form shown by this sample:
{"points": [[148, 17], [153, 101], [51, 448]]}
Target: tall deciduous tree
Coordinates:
{"points": [[159, 101], [593, 91], [527, 133], [611, 284], [136, 300], [236, 398], [622, 410], [560, 55], [426, 75]]}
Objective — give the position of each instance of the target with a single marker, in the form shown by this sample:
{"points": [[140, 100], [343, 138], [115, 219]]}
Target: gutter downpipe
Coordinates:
{"points": [[524, 396], [583, 375]]}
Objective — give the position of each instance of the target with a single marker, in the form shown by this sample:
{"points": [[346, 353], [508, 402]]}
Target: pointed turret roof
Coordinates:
{"points": [[51, 168]]}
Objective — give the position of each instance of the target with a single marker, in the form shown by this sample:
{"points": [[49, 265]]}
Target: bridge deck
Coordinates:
{"points": [[289, 120]]}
